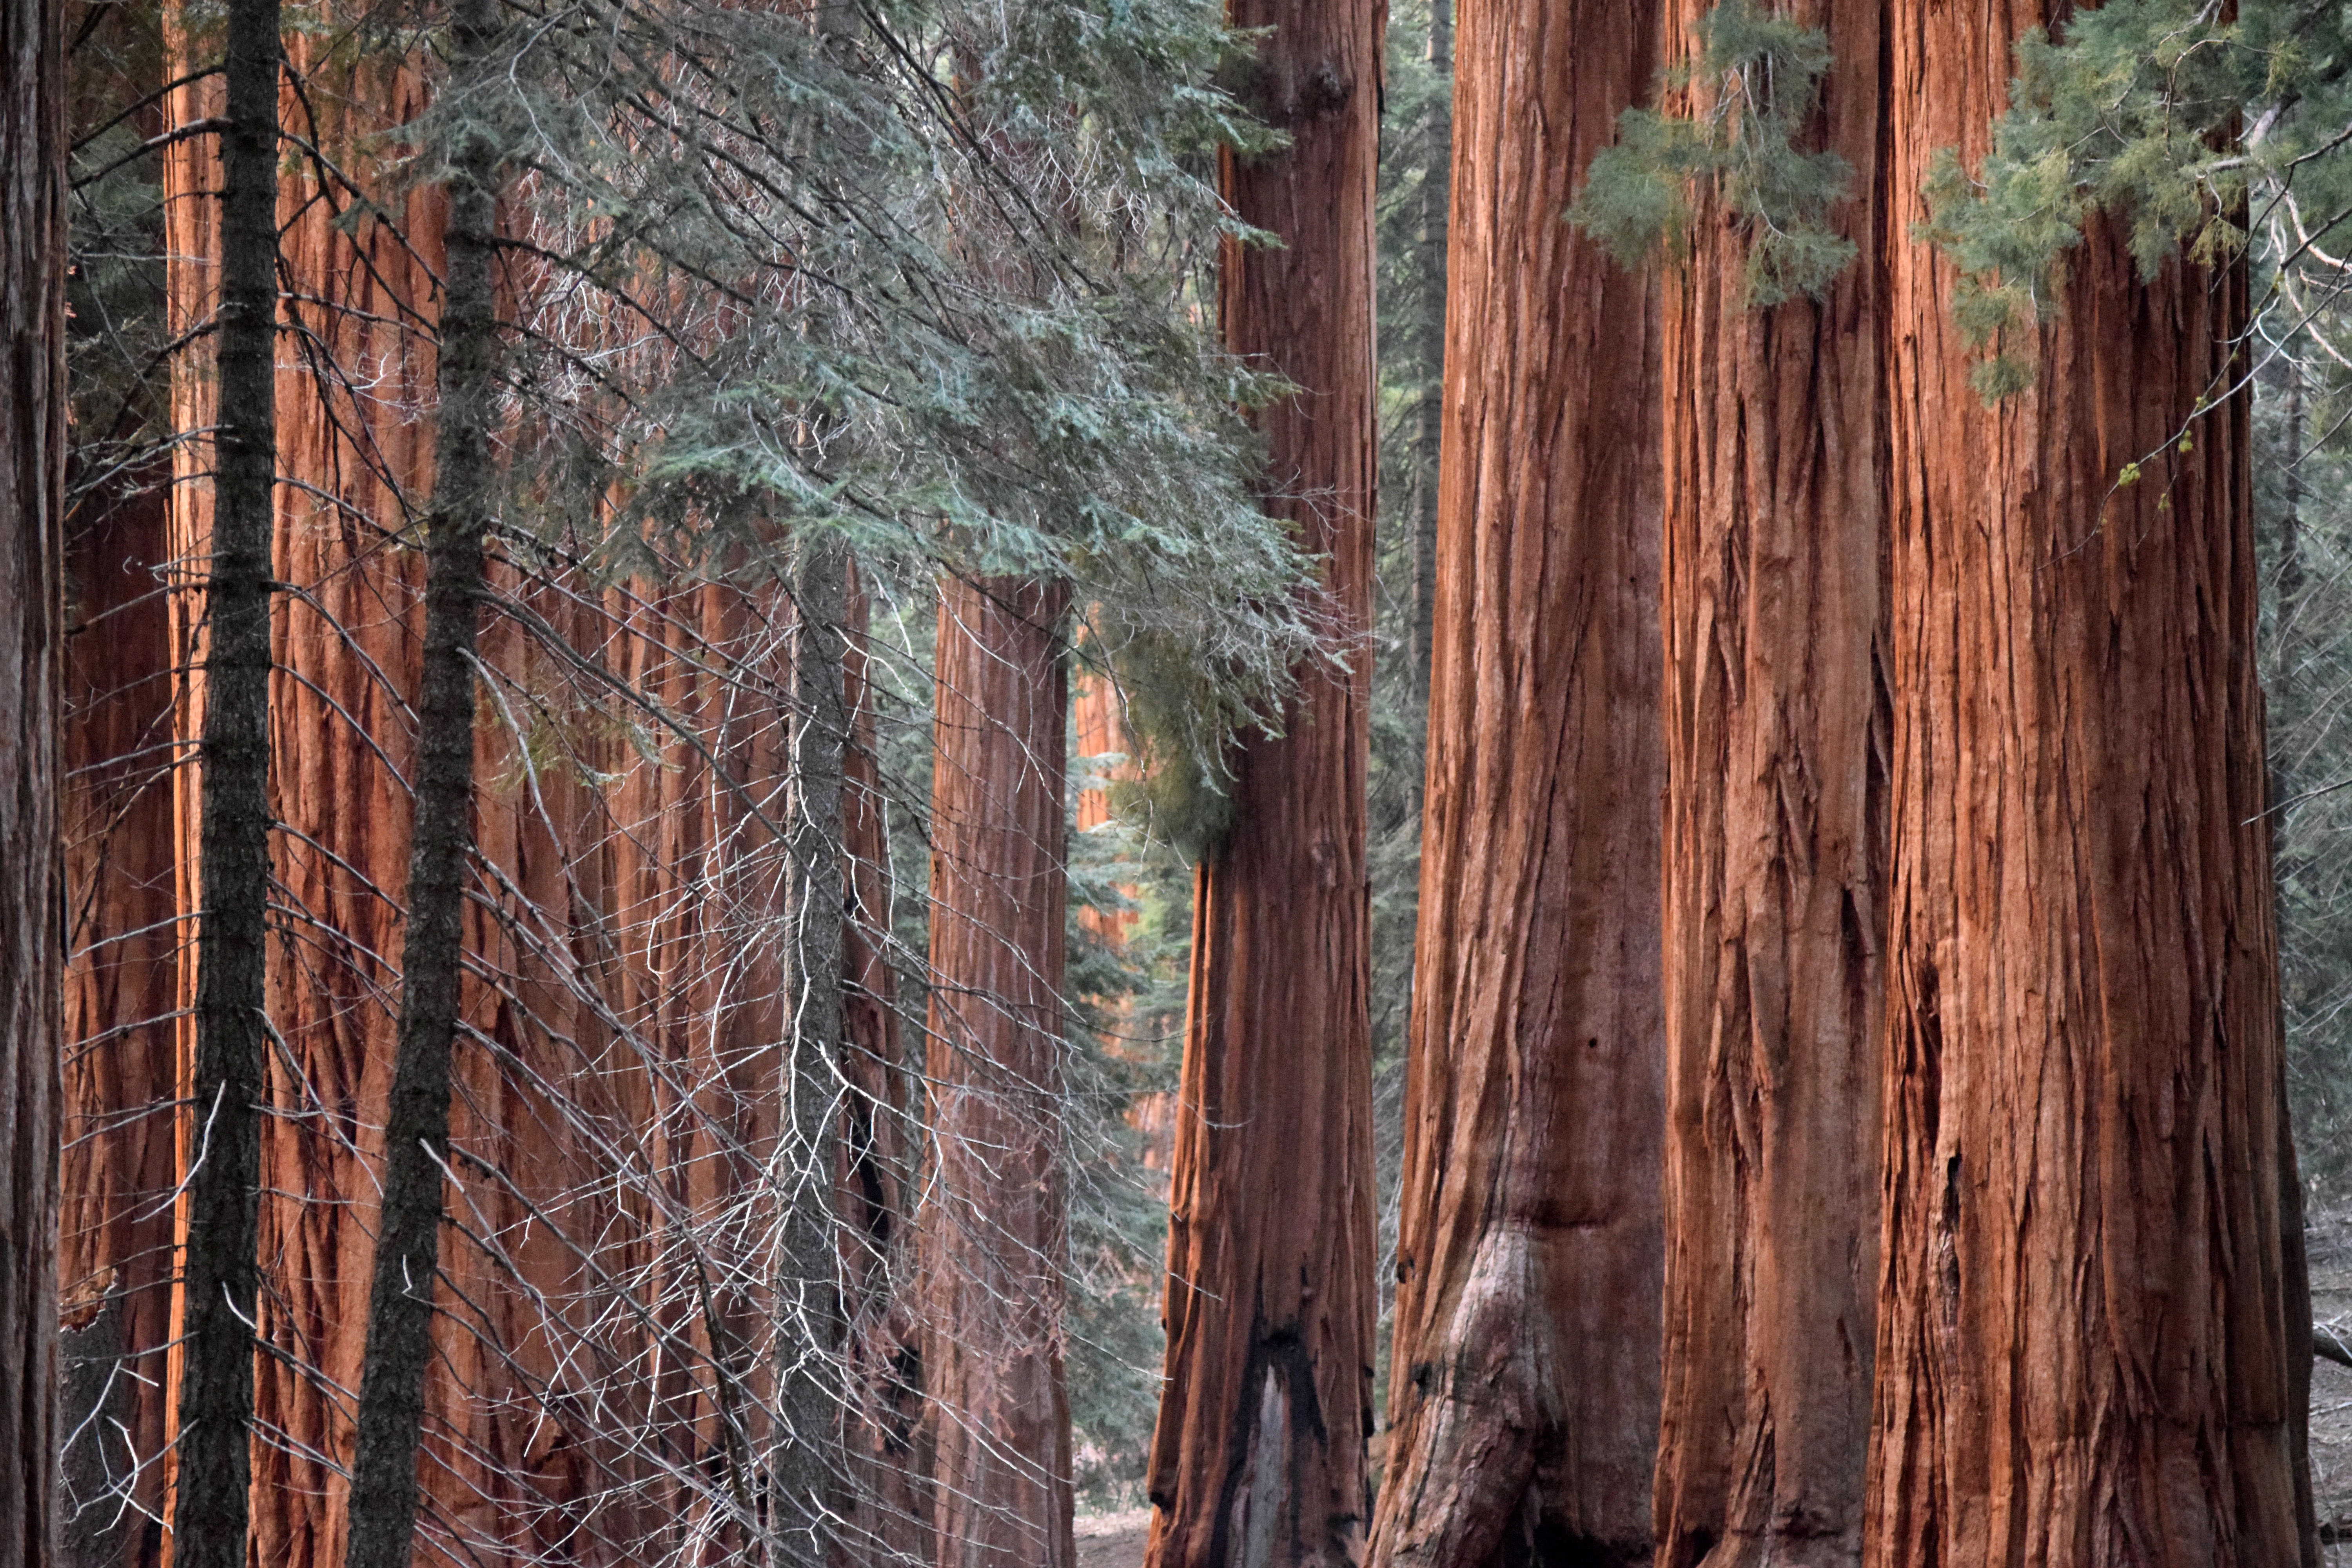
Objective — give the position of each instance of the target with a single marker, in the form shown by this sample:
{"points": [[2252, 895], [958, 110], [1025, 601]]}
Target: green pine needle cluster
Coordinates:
{"points": [[2133, 115], [1753, 85]]}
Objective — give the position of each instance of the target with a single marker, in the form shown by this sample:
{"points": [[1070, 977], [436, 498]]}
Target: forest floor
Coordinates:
{"points": [[1115, 1540], [2330, 1241]]}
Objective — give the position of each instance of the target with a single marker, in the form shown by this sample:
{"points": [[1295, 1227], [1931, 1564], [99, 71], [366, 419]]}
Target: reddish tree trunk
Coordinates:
{"points": [[1523, 1393], [1099, 729], [31, 956], [1258, 1456], [1775, 883], [2085, 1325], [122, 988], [996, 1229], [526, 1441], [327, 785]]}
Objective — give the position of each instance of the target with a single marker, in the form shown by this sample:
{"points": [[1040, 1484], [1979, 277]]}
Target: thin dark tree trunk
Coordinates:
{"points": [[1775, 873], [224, 1183], [32, 898], [996, 1223], [417, 1126], [1258, 1456], [2087, 1326], [809, 1387], [1524, 1392]]}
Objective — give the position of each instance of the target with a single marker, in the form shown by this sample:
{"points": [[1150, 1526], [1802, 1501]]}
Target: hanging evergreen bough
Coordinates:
{"points": [[2191, 127], [1750, 89]]}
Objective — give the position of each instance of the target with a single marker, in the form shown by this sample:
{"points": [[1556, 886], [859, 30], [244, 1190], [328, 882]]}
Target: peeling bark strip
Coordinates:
{"points": [[2084, 1330], [1775, 874], [32, 502], [219, 1268], [1258, 1456], [1524, 1393], [995, 1228], [432, 965]]}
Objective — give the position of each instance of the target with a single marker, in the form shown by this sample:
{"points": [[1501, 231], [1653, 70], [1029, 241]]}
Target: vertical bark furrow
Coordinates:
{"points": [[1524, 1388]]}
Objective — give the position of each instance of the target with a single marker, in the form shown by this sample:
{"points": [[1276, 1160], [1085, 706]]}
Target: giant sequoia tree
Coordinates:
{"points": [[995, 1228], [32, 503], [2085, 1326], [1258, 1455], [1524, 1386], [1775, 835]]}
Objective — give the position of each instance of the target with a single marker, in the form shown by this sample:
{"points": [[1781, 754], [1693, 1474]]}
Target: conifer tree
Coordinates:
{"points": [[995, 1226], [219, 1270], [1523, 1390], [1258, 1453], [1776, 818], [2083, 1040], [399, 1344]]}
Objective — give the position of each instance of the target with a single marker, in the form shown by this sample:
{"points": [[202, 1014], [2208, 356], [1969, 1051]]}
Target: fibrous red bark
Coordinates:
{"points": [[995, 1228], [1524, 1392], [1258, 1455], [1775, 871], [122, 980], [2082, 1339]]}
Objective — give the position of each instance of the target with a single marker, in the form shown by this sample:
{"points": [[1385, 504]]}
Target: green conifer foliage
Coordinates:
{"points": [[1752, 85], [2132, 113]]}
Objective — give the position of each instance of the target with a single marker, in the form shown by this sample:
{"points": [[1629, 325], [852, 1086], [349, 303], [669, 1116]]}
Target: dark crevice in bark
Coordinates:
{"points": [[1276, 1434]]}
